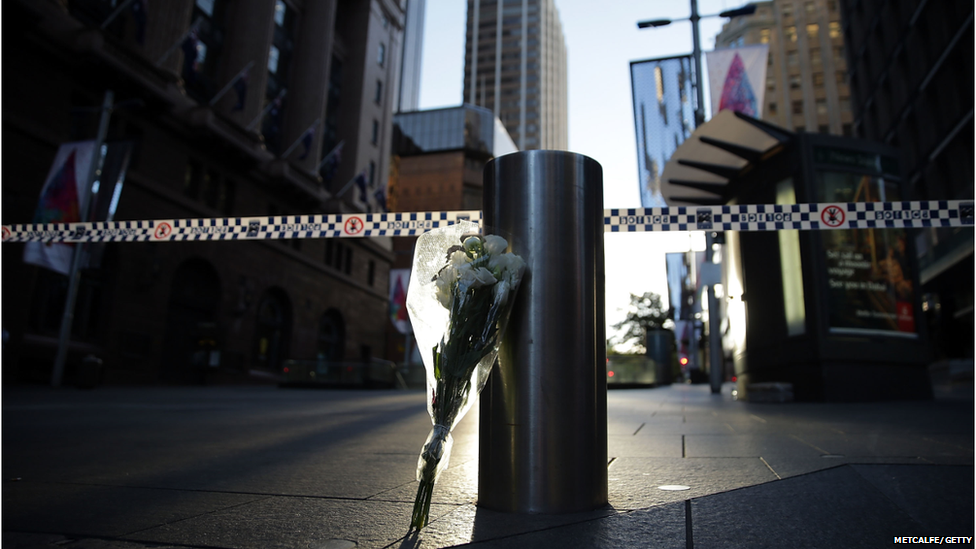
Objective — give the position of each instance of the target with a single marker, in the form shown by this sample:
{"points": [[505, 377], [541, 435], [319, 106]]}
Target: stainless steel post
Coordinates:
{"points": [[543, 438]]}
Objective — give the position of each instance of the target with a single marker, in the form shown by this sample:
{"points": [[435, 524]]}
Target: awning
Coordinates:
{"points": [[718, 152]]}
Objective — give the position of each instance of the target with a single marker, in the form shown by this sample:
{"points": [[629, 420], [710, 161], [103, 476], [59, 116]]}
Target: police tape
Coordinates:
{"points": [[746, 217]]}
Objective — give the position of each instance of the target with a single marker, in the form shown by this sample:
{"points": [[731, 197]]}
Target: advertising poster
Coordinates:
{"points": [[664, 116], [868, 272], [399, 282], [737, 79], [63, 199]]}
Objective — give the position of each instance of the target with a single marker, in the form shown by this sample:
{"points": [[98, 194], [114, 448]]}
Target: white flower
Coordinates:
{"points": [[444, 283], [472, 244], [484, 277], [474, 278], [507, 267], [458, 258], [495, 244], [443, 296]]}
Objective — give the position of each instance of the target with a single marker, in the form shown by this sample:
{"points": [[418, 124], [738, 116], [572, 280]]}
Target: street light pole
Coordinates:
{"points": [[67, 319], [716, 360], [696, 55], [694, 18]]}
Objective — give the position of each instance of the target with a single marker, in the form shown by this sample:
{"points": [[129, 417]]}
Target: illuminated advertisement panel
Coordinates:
{"points": [[869, 276], [664, 116]]}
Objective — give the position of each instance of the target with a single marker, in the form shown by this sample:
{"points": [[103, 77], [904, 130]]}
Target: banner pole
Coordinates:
{"points": [[67, 319]]}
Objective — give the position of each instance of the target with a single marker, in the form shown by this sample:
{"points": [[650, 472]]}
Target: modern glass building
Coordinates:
{"points": [[515, 66]]}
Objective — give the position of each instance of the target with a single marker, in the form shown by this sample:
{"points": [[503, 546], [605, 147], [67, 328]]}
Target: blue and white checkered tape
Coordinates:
{"points": [[750, 217]]}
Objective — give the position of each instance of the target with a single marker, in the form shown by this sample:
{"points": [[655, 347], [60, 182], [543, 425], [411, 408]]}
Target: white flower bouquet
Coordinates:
{"points": [[460, 298]]}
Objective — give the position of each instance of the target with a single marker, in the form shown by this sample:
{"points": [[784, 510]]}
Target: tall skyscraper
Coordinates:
{"points": [[515, 65], [806, 80], [413, 49]]}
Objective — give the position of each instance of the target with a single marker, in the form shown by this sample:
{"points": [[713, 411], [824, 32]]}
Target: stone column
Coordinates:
{"points": [[309, 80], [247, 40], [166, 22]]}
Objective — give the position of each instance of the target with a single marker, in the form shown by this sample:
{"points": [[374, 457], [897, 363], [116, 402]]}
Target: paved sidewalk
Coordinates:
{"points": [[263, 467]]}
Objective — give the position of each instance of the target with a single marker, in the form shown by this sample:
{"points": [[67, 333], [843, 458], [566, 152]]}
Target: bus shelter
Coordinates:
{"points": [[835, 313]]}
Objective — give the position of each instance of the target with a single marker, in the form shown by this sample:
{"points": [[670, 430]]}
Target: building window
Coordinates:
{"points": [[378, 98], [201, 49], [822, 107], [764, 36], [813, 30], [818, 79], [772, 109], [810, 7], [279, 14], [376, 132], [798, 107], [815, 58], [338, 255], [372, 173], [834, 29], [792, 58], [795, 81], [787, 8], [770, 83], [790, 33], [371, 275], [823, 128], [381, 56]]}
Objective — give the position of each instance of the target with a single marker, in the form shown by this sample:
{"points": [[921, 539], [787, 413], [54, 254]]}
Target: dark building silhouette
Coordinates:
{"points": [[321, 78], [910, 68]]}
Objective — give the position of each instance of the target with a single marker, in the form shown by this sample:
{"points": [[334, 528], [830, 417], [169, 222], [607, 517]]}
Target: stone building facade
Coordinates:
{"points": [[213, 312], [806, 77]]}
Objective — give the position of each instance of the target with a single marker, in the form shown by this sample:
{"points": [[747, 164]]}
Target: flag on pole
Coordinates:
{"points": [[63, 198], [380, 197], [140, 9], [737, 79], [330, 163], [361, 183], [191, 50], [307, 140], [240, 88]]}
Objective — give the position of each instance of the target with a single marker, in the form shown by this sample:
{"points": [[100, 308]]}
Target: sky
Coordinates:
{"points": [[601, 41]]}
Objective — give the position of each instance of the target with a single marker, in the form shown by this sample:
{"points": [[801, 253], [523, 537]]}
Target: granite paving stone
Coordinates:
{"points": [[291, 522], [77, 509], [248, 467]]}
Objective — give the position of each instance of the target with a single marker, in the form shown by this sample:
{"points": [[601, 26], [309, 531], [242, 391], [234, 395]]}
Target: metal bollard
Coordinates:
{"points": [[543, 430]]}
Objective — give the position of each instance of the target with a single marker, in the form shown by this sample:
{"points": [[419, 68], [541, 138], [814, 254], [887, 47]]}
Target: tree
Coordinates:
{"points": [[646, 312]]}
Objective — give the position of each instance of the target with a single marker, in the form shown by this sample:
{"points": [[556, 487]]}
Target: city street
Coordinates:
{"points": [[263, 467]]}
